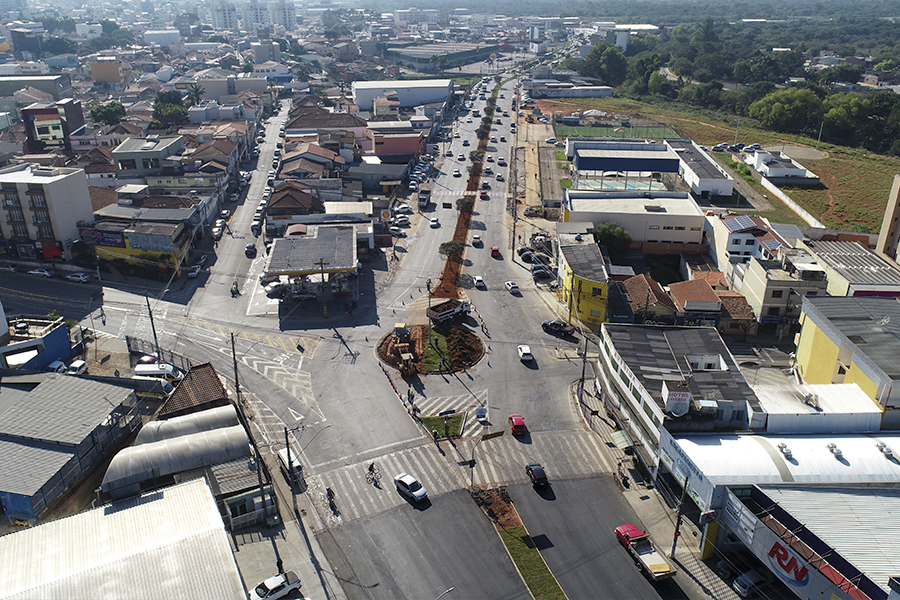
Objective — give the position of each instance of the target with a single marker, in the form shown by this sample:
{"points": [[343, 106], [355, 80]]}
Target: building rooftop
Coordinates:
{"points": [[811, 399], [627, 154], [854, 262], [329, 249], [405, 83], [128, 541], [147, 144], [671, 203], [871, 325], [586, 261], [28, 173], [698, 161], [657, 353]]}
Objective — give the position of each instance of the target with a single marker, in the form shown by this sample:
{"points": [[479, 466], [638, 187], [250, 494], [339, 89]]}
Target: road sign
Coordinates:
{"points": [[447, 413], [489, 436]]}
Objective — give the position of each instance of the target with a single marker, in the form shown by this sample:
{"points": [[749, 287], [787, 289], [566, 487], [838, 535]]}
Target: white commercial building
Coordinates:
{"points": [[668, 217], [410, 93], [161, 37], [225, 16], [283, 13], [699, 171], [255, 15]]}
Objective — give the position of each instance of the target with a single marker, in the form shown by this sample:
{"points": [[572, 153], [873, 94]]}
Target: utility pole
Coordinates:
{"points": [[153, 326], [321, 262], [290, 467], [240, 407], [687, 481], [583, 364]]}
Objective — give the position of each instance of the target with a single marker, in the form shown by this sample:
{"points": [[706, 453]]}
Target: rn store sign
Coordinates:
{"points": [[788, 566]]}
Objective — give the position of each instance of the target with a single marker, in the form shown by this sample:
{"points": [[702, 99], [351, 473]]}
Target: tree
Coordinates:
{"points": [[452, 250], [246, 66], [791, 110], [195, 94], [465, 204], [169, 115], [172, 97], [108, 26], [60, 45], [607, 63], [109, 113], [614, 237]]}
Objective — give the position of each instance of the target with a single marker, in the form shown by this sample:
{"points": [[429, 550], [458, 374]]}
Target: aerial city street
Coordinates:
{"points": [[317, 302]]}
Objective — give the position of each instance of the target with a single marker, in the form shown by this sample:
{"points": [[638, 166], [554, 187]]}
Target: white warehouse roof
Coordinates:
{"points": [[167, 543], [818, 408]]}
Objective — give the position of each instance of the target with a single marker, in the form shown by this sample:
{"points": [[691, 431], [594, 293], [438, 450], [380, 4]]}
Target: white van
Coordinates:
{"points": [[155, 388], [295, 469], [159, 370], [78, 367]]}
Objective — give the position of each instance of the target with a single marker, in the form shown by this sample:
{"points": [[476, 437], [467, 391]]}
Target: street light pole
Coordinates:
{"points": [[445, 592]]}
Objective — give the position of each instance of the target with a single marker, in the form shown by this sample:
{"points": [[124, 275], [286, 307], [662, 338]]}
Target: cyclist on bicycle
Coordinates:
{"points": [[372, 468]]}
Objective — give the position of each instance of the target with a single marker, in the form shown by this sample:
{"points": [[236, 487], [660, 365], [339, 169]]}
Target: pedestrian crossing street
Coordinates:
{"points": [[499, 461]]}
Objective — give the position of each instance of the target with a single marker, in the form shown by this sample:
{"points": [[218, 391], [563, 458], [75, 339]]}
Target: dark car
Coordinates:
{"points": [[250, 250], [542, 274], [536, 474], [557, 327]]}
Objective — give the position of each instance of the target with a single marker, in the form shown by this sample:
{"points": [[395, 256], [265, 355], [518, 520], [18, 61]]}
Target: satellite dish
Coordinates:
{"points": [[884, 320]]}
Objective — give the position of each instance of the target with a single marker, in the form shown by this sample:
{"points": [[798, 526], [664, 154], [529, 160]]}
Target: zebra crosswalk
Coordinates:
{"points": [[461, 403], [445, 468]]}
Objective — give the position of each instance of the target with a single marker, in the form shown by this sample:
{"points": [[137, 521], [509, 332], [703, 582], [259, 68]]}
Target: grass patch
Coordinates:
{"points": [[437, 424], [434, 352], [560, 155], [655, 133], [563, 166], [531, 565], [565, 184]]}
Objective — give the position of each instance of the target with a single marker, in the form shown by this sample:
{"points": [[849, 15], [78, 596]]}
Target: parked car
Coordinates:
{"points": [[542, 274], [410, 487], [536, 474], [403, 209], [517, 425], [397, 232], [550, 140], [476, 240], [277, 290], [194, 272], [465, 142], [225, 213], [461, 157], [275, 587], [525, 354], [8, 268], [78, 277], [400, 220], [557, 327], [478, 281], [500, 177], [42, 272], [78, 367]]}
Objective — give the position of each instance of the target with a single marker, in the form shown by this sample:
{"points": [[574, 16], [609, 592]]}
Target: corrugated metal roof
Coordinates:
{"points": [[854, 262], [165, 544], [747, 459], [859, 523]]}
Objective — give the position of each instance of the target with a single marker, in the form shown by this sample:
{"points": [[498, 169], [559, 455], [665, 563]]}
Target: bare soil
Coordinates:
{"points": [[497, 505]]}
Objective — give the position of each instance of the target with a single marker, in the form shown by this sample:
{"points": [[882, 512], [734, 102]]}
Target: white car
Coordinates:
{"points": [[410, 487], [225, 213], [468, 119], [401, 220], [217, 233], [435, 223], [456, 173], [512, 286], [276, 587], [478, 281], [42, 272], [550, 140], [403, 209], [456, 134], [397, 232], [490, 158], [449, 152], [524, 353], [461, 157], [219, 223], [413, 186], [78, 277], [78, 367]]}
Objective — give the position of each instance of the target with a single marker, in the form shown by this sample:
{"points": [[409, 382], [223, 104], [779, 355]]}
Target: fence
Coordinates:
{"points": [[139, 346], [790, 203]]}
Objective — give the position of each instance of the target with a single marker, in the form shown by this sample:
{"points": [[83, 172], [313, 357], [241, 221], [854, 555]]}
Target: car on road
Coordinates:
{"points": [[410, 487], [8, 268], [489, 158], [524, 352], [42, 272], [500, 177], [275, 587], [455, 134], [550, 140], [512, 287], [397, 232], [277, 289], [465, 142], [483, 195], [478, 280], [413, 186], [502, 138], [250, 250], [225, 213], [78, 277], [494, 138], [557, 327], [542, 274], [488, 170], [461, 156], [219, 223], [517, 425], [468, 119], [456, 173], [536, 474], [235, 197], [434, 223], [449, 152]]}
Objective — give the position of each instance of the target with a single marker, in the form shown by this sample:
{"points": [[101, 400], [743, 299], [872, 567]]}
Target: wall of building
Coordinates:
{"points": [[649, 227], [408, 96]]}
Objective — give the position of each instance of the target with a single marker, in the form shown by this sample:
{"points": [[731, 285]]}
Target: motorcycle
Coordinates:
{"points": [[234, 290]]}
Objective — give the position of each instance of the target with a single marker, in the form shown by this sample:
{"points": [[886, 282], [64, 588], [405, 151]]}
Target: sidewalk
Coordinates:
{"points": [[694, 577]]}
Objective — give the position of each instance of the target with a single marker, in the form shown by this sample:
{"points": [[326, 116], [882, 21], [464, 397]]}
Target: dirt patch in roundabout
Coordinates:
{"points": [[464, 348]]}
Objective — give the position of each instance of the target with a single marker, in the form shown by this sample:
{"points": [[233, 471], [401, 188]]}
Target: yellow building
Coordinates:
{"points": [[853, 340], [151, 247], [108, 69], [584, 288]]}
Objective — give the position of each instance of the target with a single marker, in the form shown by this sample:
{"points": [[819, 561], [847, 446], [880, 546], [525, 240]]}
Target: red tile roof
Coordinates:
{"points": [[735, 306], [645, 291], [697, 290], [200, 389]]}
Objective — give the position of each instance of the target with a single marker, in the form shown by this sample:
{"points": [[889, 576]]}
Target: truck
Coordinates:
{"points": [[448, 310], [424, 198], [638, 543]]}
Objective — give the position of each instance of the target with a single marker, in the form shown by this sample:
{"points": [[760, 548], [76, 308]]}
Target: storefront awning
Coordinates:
{"points": [[621, 440]]}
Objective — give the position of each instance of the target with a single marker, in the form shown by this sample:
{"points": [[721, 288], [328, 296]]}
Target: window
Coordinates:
{"points": [[45, 231], [736, 242], [653, 227], [43, 130], [842, 370], [128, 164], [777, 293], [20, 231], [679, 229], [720, 413], [667, 228], [695, 229], [734, 326], [749, 242], [10, 198], [596, 314], [595, 291], [16, 215], [774, 311], [41, 216]]}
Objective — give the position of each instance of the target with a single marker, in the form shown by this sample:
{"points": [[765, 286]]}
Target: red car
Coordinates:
{"points": [[517, 425], [483, 195]]}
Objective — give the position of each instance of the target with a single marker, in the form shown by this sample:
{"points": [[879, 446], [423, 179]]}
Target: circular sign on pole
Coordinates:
{"points": [[385, 215]]}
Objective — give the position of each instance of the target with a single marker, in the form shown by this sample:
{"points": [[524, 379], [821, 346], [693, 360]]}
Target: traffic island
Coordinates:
{"points": [[448, 349], [537, 576]]}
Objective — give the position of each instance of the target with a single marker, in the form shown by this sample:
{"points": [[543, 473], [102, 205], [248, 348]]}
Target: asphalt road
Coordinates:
{"points": [[412, 552], [573, 525]]}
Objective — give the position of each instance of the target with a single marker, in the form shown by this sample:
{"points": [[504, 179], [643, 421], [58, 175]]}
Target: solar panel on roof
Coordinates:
{"points": [[771, 244], [745, 222]]}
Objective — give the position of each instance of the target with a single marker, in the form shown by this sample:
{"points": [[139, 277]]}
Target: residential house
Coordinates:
{"points": [[738, 238], [696, 302], [736, 316], [273, 71], [98, 166], [221, 150], [290, 200], [41, 208], [49, 127], [138, 157], [649, 301], [305, 121], [114, 135], [109, 69]]}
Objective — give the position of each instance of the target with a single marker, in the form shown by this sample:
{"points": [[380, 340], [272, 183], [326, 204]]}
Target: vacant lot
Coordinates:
{"points": [[855, 184]]}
